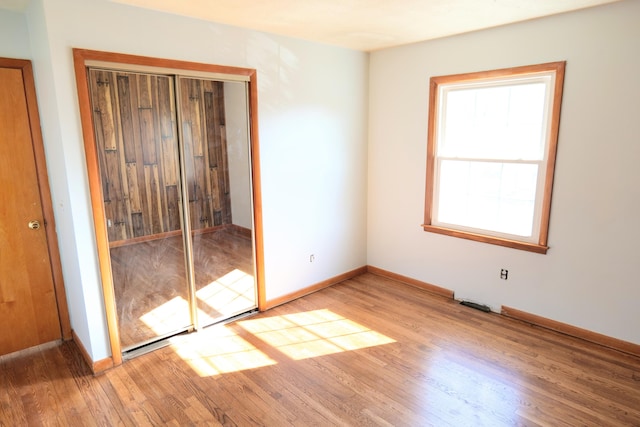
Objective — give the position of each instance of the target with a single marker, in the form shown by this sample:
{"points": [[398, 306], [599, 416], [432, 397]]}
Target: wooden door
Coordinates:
{"points": [[28, 300]]}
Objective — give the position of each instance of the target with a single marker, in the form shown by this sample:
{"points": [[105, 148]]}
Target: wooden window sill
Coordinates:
{"points": [[525, 246]]}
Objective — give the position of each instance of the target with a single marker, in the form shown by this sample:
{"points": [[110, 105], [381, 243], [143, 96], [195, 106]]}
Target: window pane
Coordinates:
{"points": [[490, 154], [498, 197], [496, 122]]}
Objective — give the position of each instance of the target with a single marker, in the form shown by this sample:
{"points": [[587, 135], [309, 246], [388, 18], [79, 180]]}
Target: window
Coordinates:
{"points": [[491, 154]]}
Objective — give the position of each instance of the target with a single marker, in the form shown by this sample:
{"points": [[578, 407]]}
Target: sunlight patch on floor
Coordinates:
{"points": [[218, 350], [171, 316], [168, 317], [231, 293], [313, 333], [454, 378]]}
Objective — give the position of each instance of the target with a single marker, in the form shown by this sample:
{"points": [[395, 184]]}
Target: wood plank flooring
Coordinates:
{"points": [[151, 289], [368, 351]]}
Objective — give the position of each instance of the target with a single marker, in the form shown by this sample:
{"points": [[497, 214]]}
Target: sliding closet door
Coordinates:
{"points": [[137, 146], [214, 128]]}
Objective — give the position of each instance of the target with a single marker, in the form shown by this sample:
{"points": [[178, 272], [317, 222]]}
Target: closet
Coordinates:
{"points": [[172, 165]]}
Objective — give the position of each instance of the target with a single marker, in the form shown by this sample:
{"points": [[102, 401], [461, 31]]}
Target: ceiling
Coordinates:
{"points": [[365, 25]]}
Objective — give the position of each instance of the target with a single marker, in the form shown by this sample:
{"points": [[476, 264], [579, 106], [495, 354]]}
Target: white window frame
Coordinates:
{"points": [[552, 75]]}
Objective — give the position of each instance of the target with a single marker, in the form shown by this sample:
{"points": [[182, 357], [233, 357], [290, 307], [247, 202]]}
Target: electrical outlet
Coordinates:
{"points": [[504, 274], [312, 258]]}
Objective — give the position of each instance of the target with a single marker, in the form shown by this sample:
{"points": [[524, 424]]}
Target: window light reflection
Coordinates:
{"points": [[218, 350], [172, 316], [168, 317], [313, 333], [230, 293]]}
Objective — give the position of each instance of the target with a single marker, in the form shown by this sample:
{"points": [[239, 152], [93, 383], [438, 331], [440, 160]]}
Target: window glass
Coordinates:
{"points": [[491, 154], [500, 122], [498, 197]]}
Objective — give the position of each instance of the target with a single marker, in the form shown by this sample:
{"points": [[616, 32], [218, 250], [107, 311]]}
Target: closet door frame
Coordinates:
{"points": [[83, 58]]}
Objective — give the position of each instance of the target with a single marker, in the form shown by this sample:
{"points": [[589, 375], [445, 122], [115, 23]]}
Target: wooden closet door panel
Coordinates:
{"points": [[28, 306], [138, 162], [136, 142], [202, 112]]}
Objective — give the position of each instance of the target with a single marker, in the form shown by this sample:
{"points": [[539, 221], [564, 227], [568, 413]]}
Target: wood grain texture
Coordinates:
{"points": [[28, 293], [574, 331], [257, 188], [314, 288], [442, 364], [150, 285], [137, 150], [135, 132], [82, 58], [413, 282], [45, 198], [97, 198], [96, 367], [203, 126], [531, 247], [557, 69]]}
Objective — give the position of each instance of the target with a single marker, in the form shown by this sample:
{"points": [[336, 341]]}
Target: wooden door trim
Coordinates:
{"points": [[45, 191], [80, 58]]}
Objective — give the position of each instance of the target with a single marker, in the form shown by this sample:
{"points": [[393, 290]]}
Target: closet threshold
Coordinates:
{"points": [[151, 345]]}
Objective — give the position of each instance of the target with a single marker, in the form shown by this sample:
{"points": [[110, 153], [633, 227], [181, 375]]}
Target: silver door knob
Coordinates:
{"points": [[34, 225]]}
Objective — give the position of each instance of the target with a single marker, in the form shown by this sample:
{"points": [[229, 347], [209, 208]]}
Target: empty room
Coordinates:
{"points": [[313, 212]]}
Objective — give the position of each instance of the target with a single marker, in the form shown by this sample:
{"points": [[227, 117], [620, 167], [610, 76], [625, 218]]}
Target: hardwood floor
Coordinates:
{"points": [[369, 351], [151, 290]]}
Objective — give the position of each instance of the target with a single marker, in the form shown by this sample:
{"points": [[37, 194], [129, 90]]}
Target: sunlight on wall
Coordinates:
{"points": [[218, 349], [313, 333]]}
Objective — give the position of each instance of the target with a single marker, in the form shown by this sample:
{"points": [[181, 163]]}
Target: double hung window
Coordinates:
{"points": [[491, 154]]}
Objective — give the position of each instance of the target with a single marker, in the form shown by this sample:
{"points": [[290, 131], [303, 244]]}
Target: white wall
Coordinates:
{"points": [[312, 120], [589, 277], [14, 36], [236, 125], [20, 37]]}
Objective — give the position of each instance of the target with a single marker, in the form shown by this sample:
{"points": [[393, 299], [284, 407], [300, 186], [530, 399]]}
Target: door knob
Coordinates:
{"points": [[34, 225]]}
